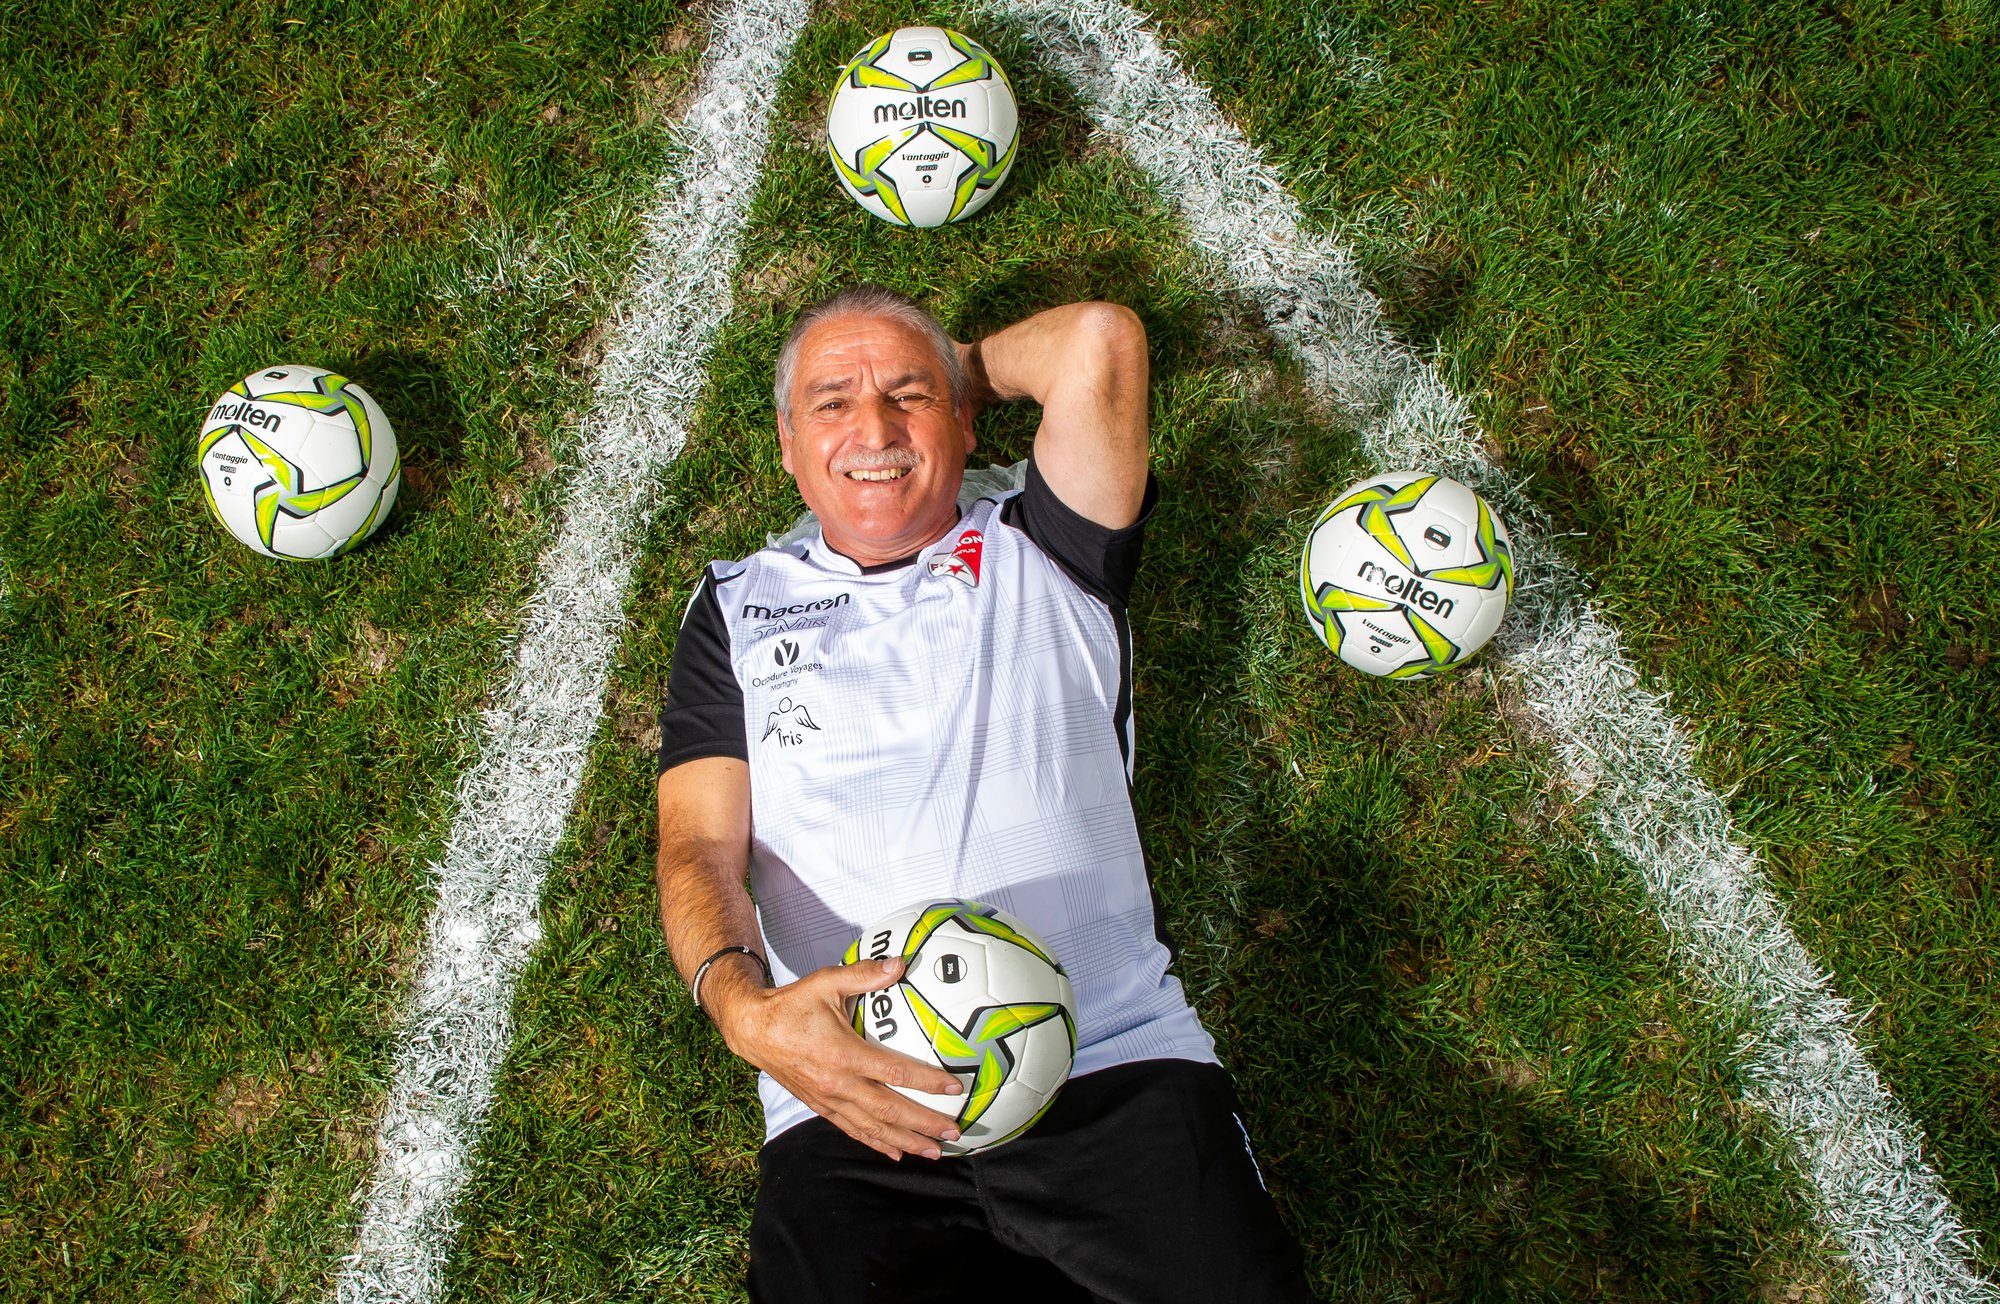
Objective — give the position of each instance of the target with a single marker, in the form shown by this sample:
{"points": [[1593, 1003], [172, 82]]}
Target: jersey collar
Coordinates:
{"points": [[827, 558]]}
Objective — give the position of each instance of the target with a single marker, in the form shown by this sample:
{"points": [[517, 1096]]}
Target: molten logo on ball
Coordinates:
{"points": [[1395, 610], [981, 997], [904, 151]]}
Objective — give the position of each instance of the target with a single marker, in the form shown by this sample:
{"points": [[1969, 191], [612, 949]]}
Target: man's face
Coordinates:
{"points": [[874, 442]]}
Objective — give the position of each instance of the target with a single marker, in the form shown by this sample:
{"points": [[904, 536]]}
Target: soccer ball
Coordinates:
{"points": [[1406, 574], [982, 997], [922, 127], [298, 463]]}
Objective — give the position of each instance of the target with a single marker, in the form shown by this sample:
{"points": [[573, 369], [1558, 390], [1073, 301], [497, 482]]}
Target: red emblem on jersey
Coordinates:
{"points": [[963, 563]]}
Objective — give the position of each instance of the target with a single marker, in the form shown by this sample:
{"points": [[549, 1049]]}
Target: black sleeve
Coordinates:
{"points": [[1101, 561], [704, 711]]}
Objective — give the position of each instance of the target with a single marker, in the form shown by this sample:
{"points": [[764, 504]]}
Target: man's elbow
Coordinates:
{"points": [[1111, 332], [1107, 352]]}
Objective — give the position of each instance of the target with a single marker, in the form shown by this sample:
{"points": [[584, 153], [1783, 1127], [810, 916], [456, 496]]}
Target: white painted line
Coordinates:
{"points": [[515, 799], [1854, 1144]]}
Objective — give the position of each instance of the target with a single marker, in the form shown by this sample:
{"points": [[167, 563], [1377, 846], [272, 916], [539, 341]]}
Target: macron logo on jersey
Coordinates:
{"points": [[754, 611], [963, 563]]}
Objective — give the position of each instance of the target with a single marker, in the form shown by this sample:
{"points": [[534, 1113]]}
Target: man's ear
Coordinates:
{"points": [[965, 419], [785, 444]]}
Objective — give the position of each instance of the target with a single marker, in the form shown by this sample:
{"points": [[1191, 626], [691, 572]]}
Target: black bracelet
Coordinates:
{"points": [[694, 987]]}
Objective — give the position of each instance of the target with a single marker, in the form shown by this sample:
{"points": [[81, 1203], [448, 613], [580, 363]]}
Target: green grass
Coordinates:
{"points": [[1723, 284], [1720, 282], [224, 777]]}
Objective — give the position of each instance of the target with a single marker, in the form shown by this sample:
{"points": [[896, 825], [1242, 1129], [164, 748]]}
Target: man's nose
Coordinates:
{"points": [[878, 424]]}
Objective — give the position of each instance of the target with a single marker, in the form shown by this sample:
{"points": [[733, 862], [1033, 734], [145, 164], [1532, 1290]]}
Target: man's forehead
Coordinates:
{"points": [[841, 348], [834, 381]]}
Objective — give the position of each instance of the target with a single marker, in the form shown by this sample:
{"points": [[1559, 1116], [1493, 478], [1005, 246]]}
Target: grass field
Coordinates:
{"points": [[1722, 283]]}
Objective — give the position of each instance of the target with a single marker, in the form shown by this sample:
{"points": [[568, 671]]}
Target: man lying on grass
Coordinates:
{"points": [[966, 740]]}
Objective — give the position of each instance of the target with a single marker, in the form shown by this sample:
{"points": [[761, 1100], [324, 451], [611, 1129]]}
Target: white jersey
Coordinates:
{"points": [[954, 726]]}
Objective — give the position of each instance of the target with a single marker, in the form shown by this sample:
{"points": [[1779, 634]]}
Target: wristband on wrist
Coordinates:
{"points": [[694, 987]]}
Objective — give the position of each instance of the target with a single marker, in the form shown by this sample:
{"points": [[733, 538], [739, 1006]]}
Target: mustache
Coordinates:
{"points": [[882, 460]]}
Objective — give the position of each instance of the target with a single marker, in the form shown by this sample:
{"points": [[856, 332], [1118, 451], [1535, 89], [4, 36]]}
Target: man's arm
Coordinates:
{"points": [[798, 1033], [1086, 364]]}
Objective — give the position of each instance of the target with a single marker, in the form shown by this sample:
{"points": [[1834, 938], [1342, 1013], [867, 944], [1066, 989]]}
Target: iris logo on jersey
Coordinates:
{"points": [[963, 563], [788, 724]]}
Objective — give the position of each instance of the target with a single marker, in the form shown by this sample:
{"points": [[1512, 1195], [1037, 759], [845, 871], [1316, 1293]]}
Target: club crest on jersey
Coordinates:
{"points": [[962, 564]]}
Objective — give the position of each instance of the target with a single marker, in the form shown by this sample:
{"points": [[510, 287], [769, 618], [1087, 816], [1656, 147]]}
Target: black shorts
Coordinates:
{"points": [[1138, 1185]]}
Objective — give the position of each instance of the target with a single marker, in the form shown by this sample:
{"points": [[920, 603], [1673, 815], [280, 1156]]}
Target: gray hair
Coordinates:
{"points": [[868, 301]]}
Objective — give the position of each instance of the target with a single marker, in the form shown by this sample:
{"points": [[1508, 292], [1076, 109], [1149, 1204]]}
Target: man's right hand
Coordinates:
{"points": [[800, 1035]]}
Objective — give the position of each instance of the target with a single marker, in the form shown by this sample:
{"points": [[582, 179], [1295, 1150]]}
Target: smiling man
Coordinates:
{"points": [[932, 698]]}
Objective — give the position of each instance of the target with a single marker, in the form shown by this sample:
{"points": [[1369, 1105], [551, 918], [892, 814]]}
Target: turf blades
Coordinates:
{"points": [[516, 798], [1856, 1146]]}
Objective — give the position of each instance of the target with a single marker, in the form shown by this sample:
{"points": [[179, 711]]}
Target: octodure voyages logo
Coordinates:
{"points": [[785, 655]]}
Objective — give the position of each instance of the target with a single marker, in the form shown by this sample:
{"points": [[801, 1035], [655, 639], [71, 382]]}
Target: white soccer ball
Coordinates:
{"points": [[1406, 574], [922, 127], [298, 462], [982, 997]]}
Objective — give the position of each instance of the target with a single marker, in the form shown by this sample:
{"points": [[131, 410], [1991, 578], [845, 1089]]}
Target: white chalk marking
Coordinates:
{"points": [[1854, 1143], [515, 799]]}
